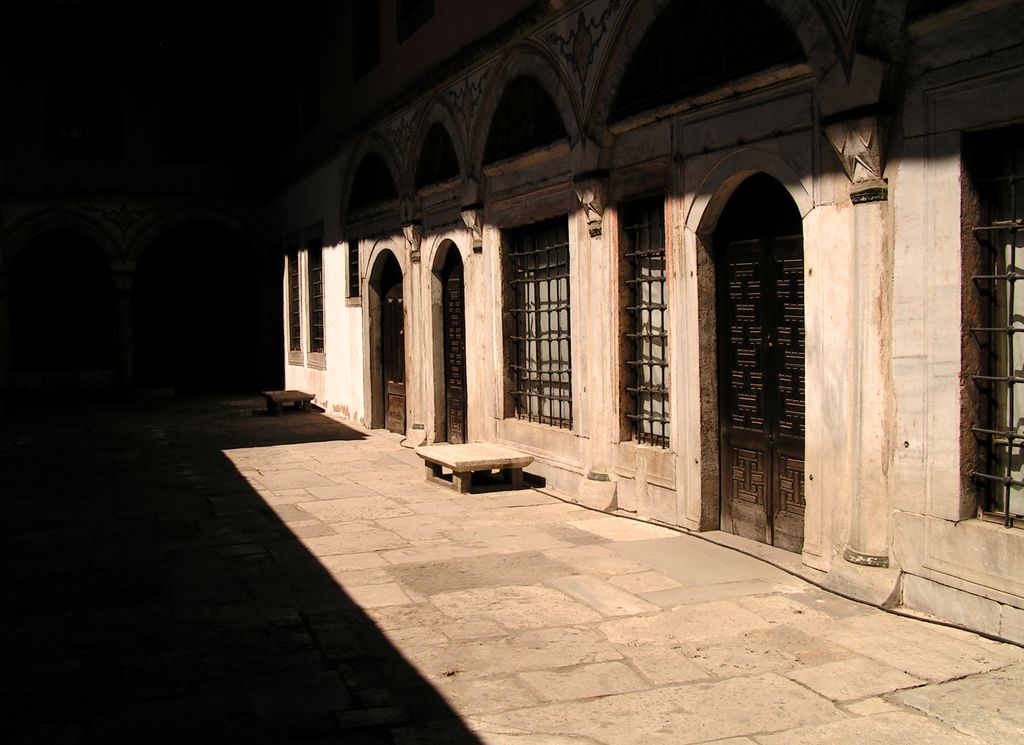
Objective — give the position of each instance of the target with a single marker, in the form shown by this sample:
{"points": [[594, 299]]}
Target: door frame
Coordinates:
{"points": [[702, 213]]}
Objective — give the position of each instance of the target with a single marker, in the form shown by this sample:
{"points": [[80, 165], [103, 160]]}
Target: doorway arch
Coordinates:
{"points": [[759, 288], [387, 344]]}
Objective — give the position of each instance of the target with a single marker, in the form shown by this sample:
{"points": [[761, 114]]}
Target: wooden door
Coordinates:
{"points": [[454, 348], [392, 340], [761, 377]]}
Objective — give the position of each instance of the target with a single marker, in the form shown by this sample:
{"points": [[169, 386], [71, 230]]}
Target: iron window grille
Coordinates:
{"points": [[646, 322], [541, 371], [294, 309], [1000, 241], [353, 269], [315, 289]]}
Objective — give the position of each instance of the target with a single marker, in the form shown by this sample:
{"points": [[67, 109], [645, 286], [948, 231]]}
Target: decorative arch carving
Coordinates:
{"points": [[524, 60]]}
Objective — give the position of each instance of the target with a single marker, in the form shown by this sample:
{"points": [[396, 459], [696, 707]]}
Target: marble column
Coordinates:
{"points": [[598, 267], [858, 143], [418, 373], [123, 282]]}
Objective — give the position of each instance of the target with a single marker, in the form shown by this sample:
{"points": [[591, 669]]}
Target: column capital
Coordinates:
{"points": [[858, 139], [414, 238], [592, 192], [473, 216]]}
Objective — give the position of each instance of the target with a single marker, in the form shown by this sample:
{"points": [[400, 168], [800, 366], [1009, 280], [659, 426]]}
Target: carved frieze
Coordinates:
{"points": [[123, 217], [399, 131], [465, 93], [579, 41]]}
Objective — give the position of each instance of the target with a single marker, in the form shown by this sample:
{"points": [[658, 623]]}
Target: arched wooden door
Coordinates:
{"points": [[759, 252], [392, 346], [454, 346]]}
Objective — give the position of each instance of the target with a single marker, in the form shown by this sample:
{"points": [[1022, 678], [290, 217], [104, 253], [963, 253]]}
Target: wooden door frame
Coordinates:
{"points": [[703, 219]]}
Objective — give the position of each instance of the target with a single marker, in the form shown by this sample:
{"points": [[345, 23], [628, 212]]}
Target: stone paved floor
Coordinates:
{"points": [[181, 572]]}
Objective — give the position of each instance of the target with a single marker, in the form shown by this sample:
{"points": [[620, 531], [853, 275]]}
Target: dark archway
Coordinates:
{"points": [[760, 298], [438, 161], [63, 311], [198, 301], [694, 47], [372, 184]]}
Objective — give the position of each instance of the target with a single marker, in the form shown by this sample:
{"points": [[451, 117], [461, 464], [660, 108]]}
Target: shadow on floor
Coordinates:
{"points": [[152, 596]]}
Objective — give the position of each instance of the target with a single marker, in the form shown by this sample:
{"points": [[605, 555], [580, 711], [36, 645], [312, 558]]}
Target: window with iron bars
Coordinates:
{"points": [[315, 291], [294, 309], [646, 327], [353, 269], [995, 162], [540, 360]]}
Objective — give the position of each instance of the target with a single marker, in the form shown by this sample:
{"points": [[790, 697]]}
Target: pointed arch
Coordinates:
{"points": [[530, 62]]}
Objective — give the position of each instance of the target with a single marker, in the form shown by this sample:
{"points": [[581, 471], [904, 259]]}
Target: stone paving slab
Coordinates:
{"points": [[185, 574], [989, 707]]}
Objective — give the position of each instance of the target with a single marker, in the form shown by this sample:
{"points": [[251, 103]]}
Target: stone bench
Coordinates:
{"points": [[465, 460], [277, 399]]}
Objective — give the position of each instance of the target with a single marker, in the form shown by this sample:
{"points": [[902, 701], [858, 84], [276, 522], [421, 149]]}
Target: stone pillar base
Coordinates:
{"points": [[598, 494], [865, 560]]}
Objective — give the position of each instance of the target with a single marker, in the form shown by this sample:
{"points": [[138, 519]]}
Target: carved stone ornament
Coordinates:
{"points": [[859, 144], [473, 216], [592, 191], [414, 237]]}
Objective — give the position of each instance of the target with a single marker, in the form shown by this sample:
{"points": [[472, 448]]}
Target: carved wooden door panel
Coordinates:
{"points": [[787, 365], [392, 339], [454, 350], [761, 389]]}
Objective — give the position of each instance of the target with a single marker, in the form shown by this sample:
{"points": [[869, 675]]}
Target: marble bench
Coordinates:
{"points": [[465, 460], [276, 399]]}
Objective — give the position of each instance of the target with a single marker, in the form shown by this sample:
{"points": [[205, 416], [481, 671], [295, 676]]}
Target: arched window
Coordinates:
{"points": [[525, 118], [438, 161], [694, 47], [372, 184]]}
